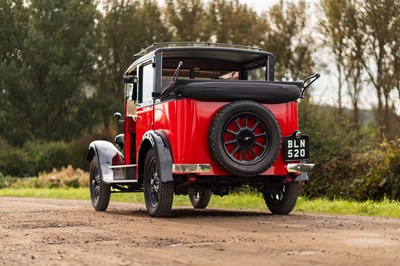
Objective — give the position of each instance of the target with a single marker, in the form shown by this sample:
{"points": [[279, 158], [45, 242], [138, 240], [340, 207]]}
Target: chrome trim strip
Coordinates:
{"points": [[122, 166], [121, 181], [300, 167], [191, 168]]}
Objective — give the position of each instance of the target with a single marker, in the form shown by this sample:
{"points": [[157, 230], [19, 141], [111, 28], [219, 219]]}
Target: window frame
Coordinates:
{"points": [[141, 67]]}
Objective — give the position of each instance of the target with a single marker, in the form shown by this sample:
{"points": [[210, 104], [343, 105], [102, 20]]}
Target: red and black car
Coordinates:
{"points": [[202, 119]]}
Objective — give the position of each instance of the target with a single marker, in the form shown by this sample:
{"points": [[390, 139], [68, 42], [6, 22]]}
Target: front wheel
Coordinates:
{"points": [[158, 195], [99, 190], [200, 198], [283, 200]]}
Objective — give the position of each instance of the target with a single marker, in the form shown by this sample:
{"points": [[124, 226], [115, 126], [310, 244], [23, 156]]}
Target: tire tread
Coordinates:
{"points": [[288, 202]]}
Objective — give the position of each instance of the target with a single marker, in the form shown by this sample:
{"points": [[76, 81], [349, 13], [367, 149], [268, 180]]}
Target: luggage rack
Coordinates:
{"points": [[201, 44]]}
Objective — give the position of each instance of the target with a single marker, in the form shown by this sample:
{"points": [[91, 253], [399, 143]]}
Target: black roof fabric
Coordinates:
{"points": [[234, 90]]}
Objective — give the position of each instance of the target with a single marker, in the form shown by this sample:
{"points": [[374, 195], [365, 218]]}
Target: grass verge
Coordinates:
{"points": [[385, 208]]}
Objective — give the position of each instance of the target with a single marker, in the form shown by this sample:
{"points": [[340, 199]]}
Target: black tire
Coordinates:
{"points": [[158, 195], [99, 190], [244, 138], [284, 200], [200, 198]]}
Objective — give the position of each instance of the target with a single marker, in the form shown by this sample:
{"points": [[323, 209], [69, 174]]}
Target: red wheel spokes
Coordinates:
{"points": [[245, 138]]}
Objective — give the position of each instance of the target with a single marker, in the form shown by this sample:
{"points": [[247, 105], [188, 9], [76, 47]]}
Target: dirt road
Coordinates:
{"points": [[66, 232]]}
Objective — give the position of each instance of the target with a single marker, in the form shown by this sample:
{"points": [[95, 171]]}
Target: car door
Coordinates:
{"points": [[145, 108]]}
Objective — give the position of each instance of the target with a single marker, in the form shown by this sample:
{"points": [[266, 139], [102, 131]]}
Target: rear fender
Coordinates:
{"points": [[152, 139], [107, 155]]}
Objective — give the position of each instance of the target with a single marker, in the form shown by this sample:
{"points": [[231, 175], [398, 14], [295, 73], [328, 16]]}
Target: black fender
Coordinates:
{"points": [[158, 141], [106, 153]]}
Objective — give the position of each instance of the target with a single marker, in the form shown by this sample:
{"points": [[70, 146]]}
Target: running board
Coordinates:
{"points": [[122, 166], [122, 174]]}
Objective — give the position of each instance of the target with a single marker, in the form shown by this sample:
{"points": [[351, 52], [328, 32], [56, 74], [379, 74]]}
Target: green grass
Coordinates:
{"points": [[385, 208]]}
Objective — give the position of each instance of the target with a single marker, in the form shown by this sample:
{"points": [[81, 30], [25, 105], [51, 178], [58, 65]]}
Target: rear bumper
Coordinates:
{"points": [[191, 168], [300, 167]]}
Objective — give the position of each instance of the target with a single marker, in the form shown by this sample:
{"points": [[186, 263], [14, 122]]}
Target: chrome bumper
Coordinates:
{"points": [[300, 167], [190, 168]]}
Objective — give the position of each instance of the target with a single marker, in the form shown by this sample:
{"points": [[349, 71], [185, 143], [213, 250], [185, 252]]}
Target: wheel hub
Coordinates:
{"points": [[154, 186], [246, 139], [96, 187]]}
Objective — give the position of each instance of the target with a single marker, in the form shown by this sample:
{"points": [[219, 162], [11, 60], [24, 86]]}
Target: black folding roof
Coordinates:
{"points": [[237, 54], [234, 55]]}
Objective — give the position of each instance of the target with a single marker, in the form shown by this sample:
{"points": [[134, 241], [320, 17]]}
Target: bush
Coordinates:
{"points": [[65, 178], [13, 161], [7, 181], [350, 164], [40, 156], [44, 156], [79, 148], [377, 173]]}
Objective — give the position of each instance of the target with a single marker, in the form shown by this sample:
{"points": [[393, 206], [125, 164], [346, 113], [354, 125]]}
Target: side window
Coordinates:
{"points": [[146, 83], [257, 73]]}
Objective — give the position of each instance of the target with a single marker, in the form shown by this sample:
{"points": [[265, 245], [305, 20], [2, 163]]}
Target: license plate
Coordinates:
{"points": [[296, 149]]}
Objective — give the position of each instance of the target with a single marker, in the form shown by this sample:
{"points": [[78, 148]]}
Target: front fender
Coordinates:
{"points": [[152, 139], [107, 155]]}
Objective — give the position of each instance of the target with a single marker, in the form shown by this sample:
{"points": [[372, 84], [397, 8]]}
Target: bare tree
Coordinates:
{"points": [[354, 51], [381, 19], [333, 29], [288, 38]]}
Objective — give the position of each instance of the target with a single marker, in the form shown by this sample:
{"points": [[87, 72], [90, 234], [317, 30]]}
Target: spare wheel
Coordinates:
{"points": [[244, 138]]}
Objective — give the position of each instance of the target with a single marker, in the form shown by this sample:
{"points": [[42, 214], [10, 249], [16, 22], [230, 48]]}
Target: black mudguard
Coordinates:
{"points": [[106, 153], [153, 139]]}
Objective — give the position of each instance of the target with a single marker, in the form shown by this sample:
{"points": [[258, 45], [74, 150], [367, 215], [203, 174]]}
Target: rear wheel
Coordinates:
{"points": [[99, 190], [200, 198], [158, 195], [284, 199]]}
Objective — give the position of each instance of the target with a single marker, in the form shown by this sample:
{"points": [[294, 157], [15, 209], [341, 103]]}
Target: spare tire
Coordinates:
{"points": [[244, 138]]}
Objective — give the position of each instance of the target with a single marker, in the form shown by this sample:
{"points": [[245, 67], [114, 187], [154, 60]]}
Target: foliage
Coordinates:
{"points": [[123, 30], [13, 161], [43, 156], [363, 36], [186, 18], [233, 22], [64, 178], [289, 41], [7, 181], [44, 73], [61, 67], [377, 172], [33, 157], [333, 27], [350, 164]]}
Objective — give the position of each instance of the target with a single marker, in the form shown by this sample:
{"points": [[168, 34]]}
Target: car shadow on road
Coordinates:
{"points": [[178, 213]]}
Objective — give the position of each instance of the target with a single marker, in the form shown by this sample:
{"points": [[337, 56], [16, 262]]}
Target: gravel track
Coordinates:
{"points": [[70, 232]]}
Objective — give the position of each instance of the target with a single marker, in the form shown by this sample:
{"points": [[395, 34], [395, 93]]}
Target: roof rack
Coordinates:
{"points": [[202, 44]]}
